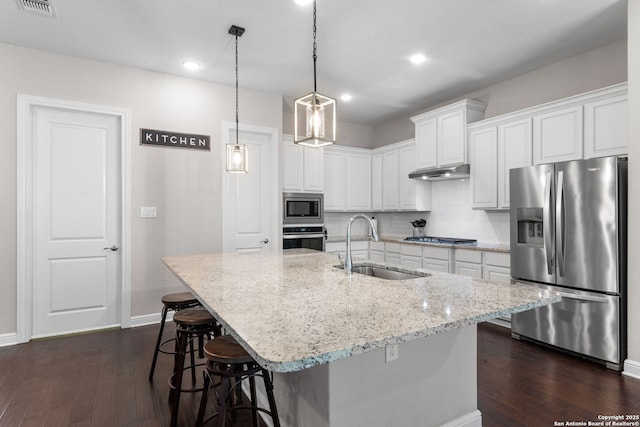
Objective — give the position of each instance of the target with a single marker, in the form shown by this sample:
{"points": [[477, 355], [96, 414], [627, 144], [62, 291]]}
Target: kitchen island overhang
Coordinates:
{"points": [[296, 310]]}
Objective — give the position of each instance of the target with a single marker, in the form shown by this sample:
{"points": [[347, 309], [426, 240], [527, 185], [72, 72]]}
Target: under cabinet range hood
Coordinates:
{"points": [[440, 174]]}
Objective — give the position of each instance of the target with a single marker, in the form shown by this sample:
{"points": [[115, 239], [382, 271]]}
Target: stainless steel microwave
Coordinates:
{"points": [[303, 209]]}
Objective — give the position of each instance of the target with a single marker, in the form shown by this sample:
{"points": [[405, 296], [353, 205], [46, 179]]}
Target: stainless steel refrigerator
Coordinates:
{"points": [[568, 233]]}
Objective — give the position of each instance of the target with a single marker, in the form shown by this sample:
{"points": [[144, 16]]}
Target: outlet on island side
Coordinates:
{"points": [[391, 353]]}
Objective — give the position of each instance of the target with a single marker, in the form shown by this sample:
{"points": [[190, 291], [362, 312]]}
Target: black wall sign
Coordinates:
{"points": [[174, 139]]}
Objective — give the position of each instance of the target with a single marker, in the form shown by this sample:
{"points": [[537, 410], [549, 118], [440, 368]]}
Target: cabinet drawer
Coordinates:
{"points": [[376, 246], [392, 247], [469, 255], [438, 253], [497, 258], [413, 250], [360, 245]]}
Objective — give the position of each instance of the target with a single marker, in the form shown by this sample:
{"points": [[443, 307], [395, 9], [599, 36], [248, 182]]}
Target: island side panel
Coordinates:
{"points": [[433, 383]]}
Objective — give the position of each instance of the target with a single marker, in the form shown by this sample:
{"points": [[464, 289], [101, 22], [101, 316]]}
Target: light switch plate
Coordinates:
{"points": [[148, 212]]}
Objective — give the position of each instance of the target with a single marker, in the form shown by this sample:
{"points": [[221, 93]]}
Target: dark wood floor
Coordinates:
{"points": [[100, 379]]}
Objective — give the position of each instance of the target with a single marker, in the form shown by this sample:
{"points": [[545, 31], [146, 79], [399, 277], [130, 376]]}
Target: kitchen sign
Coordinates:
{"points": [[174, 139]]}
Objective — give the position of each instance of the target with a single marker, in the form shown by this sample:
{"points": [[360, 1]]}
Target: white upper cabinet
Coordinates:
{"points": [[441, 134], [392, 189], [302, 167], [377, 181], [347, 179], [390, 180], [483, 147], [427, 150], [514, 151], [557, 135], [334, 180], [358, 173], [606, 127]]}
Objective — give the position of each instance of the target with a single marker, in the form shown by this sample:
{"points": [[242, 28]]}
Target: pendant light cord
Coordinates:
{"points": [[237, 108], [315, 46]]}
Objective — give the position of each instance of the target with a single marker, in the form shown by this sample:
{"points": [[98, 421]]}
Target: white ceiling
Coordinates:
{"points": [[363, 45]]}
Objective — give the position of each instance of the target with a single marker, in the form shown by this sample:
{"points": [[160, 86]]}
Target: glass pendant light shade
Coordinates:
{"points": [[237, 158], [315, 120]]}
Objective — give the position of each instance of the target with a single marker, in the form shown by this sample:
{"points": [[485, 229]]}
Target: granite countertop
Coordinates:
{"points": [[480, 246], [294, 310]]}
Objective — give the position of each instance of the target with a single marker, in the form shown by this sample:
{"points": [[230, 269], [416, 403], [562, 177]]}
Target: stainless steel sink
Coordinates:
{"points": [[387, 273]]}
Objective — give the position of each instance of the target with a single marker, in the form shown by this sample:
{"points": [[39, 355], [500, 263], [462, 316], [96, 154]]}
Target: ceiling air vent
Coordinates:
{"points": [[41, 7]]}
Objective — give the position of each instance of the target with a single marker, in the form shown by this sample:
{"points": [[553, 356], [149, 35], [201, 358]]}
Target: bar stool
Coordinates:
{"points": [[170, 302], [191, 323], [228, 360]]}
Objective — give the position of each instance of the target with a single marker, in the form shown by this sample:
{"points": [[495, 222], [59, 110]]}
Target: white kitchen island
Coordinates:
{"points": [[326, 335]]}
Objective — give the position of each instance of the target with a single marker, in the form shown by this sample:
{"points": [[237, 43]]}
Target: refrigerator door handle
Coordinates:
{"points": [[548, 238], [589, 298], [559, 223]]}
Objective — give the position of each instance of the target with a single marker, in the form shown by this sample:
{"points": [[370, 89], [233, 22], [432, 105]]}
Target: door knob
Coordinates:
{"points": [[265, 241], [113, 248]]}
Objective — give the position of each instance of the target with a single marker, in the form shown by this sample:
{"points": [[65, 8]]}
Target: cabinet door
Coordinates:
{"points": [[483, 147], [557, 136], [392, 258], [514, 151], [334, 180], [606, 127], [426, 143], [376, 256], [493, 273], [452, 129], [435, 264], [292, 166], [390, 180], [469, 269], [406, 186], [411, 261], [313, 169], [376, 182], [358, 183]]}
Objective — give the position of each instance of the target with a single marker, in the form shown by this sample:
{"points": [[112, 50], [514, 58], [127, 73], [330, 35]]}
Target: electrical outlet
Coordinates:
{"points": [[391, 353], [148, 212]]}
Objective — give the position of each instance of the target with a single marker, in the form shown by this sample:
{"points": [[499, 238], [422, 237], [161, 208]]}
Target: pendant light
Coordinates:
{"points": [[237, 156], [314, 114]]}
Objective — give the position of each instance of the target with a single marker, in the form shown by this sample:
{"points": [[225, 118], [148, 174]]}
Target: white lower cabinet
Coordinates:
{"points": [[359, 249], [437, 259], [376, 251], [468, 263], [497, 267], [392, 253], [411, 256]]}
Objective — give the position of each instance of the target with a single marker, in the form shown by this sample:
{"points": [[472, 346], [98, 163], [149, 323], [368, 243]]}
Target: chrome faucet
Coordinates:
{"points": [[374, 233]]}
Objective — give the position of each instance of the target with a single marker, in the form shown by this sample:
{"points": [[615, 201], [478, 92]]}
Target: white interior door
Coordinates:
{"points": [[250, 199], [76, 196]]}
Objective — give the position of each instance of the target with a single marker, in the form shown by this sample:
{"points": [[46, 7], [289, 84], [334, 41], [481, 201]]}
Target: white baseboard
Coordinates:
{"points": [[149, 319], [8, 339], [631, 369], [472, 419]]}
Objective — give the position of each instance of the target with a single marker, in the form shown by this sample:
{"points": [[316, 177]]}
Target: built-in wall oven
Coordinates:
{"points": [[303, 209], [304, 237], [303, 221]]}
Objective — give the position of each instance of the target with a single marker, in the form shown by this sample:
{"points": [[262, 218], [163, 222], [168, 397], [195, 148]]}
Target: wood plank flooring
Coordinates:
{"points": [[100, 379]]}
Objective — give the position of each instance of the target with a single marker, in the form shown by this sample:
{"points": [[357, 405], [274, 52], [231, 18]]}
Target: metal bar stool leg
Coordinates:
{"points": [[181, 338], [165, 310]]}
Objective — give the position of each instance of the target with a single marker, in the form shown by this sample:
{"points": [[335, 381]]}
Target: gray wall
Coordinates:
{"points": [[591, 70], [634, 186], [185, 185]]}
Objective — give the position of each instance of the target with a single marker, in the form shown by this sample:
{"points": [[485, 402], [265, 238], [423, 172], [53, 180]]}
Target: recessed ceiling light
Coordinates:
{"points": [[303, 2], [346, 97], [417, 58], [191, 65]]}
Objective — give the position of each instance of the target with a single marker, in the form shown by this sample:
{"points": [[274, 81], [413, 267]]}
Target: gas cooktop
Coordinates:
{"points": [[442, 240]]}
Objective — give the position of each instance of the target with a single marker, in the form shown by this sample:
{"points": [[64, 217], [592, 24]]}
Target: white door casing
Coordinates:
{"points": [[250, 201], [73, 163]]}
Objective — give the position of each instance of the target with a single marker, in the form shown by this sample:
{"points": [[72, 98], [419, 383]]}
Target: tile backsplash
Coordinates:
{"points": [[451, 216]]}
